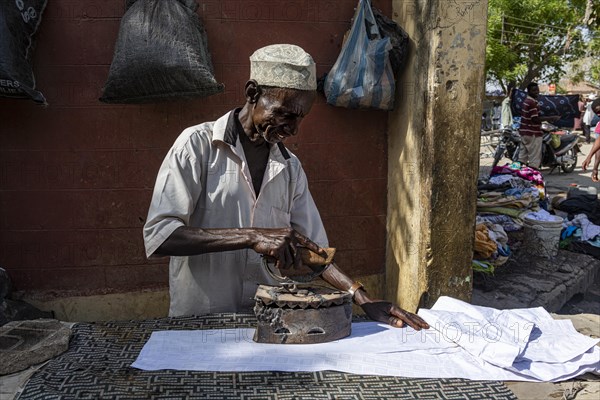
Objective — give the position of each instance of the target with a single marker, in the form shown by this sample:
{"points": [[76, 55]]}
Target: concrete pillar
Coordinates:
{"points": [[433, 151]]}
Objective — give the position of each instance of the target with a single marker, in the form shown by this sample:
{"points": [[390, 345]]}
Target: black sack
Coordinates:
{"points": [[19, 20], [161, 54], [398, 39]]}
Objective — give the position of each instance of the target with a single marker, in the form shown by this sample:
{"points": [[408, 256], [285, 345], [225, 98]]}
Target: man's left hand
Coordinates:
{"points": [[386, 312]]}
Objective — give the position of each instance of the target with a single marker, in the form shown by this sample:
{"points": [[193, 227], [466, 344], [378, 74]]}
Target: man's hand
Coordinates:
{"points": [[386, 312], [585, 164], [282, 244]]}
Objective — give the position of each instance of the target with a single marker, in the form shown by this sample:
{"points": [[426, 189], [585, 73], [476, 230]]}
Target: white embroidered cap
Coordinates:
{"points": [[285, 66]]}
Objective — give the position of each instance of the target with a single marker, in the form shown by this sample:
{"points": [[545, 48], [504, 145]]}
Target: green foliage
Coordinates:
{"points": [[542, 40]]}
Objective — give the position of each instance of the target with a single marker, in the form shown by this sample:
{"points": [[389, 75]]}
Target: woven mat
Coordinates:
{"points": [[96, 366]]}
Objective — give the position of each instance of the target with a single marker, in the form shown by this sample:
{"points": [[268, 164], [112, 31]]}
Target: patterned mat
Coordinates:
{"points": [[96, 366]]}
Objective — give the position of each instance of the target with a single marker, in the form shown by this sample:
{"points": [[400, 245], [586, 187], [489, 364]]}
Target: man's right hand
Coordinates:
{"points": [[282, 244]]}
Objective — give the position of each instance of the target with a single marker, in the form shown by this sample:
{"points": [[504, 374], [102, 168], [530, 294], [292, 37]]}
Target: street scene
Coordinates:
{"points": [[574, 295]]}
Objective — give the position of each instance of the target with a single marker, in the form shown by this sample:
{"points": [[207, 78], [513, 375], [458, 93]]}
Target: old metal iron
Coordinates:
{"points": [[301, 315], [297, 312]]}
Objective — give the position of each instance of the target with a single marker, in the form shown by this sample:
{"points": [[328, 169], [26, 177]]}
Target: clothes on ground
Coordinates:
{"points": [[521, 171], [204, 181], [485, 267], [583, 248], [496, 199], [587, 204], [589, 231], [516, 214], [484, 246], [464, 341], [491, 244], [511, 192], [508, 224], [543, 215]]}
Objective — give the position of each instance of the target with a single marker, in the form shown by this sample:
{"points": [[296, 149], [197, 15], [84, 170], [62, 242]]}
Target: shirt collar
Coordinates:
{"points": [[234, 128]]}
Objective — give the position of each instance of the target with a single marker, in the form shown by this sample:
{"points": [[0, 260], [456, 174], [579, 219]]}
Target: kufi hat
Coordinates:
{"points": [[592, 96], [285, 66]]}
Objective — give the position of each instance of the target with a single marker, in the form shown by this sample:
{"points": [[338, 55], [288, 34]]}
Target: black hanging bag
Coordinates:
{"points": [[161, 54], [19, 21]]}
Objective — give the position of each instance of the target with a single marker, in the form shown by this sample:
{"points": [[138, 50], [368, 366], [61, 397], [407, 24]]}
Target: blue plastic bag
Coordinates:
{"points": [[362, 76]]}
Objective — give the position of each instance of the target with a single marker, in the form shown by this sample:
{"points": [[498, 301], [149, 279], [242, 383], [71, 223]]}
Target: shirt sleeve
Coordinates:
{"points": [[305, 216], [174, 198]]}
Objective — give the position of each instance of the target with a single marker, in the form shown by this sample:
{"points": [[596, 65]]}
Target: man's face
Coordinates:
{"points": [[596, 110], [534, 91], [278, 113]]}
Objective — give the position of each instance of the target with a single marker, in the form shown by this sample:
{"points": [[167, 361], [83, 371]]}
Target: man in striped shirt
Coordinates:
{"points": [[531, 128]]}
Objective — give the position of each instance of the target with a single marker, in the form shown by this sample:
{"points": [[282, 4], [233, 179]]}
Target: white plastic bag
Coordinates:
{"points": [[362, 76]]}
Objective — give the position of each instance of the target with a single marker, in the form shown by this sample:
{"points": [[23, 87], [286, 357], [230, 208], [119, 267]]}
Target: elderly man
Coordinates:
{"points": [[531, 128], [229, 192]]}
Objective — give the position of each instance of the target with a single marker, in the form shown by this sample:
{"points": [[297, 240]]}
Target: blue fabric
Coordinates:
{"points": [[568, 231], [504, 250], [565, 106]]}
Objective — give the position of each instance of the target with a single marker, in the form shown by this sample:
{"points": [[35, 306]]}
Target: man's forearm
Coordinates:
{"points": [[338, 279], [595, 147], [186, 241]]}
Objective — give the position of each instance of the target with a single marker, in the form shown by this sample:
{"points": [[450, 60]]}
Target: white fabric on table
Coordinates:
{"points": [[465, 341]]}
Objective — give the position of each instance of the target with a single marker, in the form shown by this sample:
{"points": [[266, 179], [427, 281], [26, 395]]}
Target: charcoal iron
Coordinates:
{"points": [[301, 314]]}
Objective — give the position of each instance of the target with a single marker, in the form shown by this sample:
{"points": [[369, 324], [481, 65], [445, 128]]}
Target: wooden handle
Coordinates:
{"points": [[313, 259]]}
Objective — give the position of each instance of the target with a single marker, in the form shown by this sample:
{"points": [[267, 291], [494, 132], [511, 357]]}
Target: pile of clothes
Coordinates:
{"points": [[581, 212], [511, 192]]}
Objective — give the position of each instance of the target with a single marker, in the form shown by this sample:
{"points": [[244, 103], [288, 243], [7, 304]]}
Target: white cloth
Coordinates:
{"points": [[506, 113], [502, 178], [205, 182], [543, 215], [588, 116], [465, 341]]}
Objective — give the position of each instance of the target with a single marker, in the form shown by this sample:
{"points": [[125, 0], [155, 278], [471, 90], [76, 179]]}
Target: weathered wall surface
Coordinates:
{"points": [[76, 177], [433, 151]]}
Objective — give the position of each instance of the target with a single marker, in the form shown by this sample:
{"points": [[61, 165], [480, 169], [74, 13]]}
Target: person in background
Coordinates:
{"points": [[229, 193], [588, 115], [531, 128], [506, 113], [595, 107], [577, 125]]}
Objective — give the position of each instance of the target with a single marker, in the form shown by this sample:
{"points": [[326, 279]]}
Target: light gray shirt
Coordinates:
{"points": [[204, 181]]}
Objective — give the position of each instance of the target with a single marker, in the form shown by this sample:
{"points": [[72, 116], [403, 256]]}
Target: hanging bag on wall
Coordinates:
{"points": [[19, 21], [161, 54], [362, 76], [398, 37]]}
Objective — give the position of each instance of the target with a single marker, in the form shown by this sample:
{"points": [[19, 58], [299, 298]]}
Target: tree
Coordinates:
{"points": [[542, 40]]}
